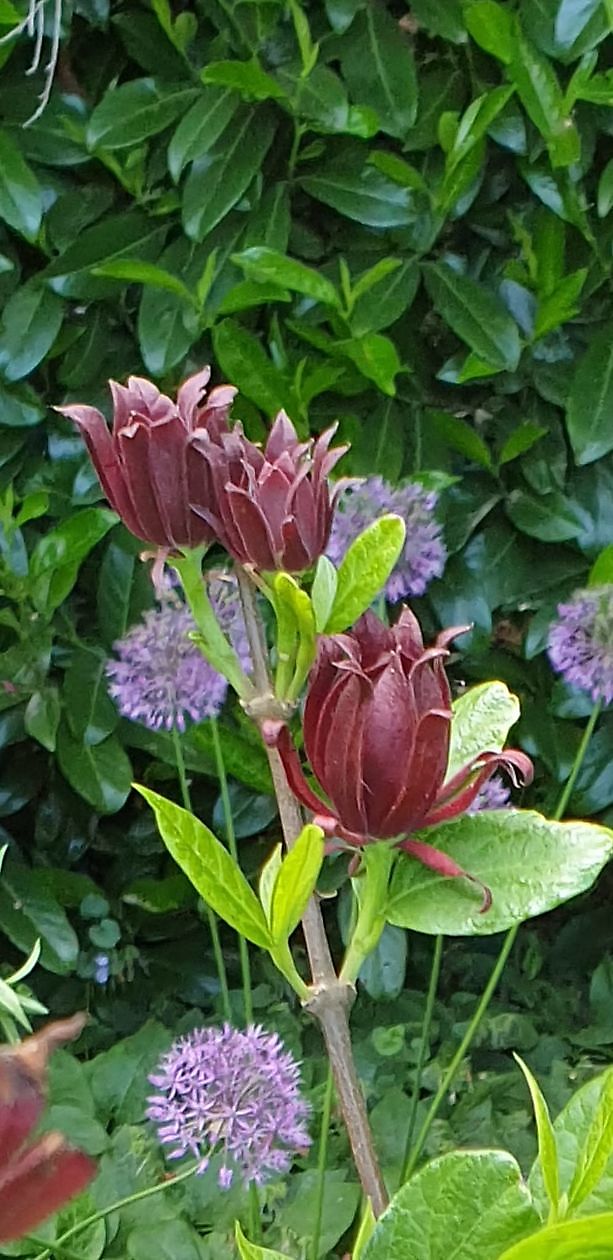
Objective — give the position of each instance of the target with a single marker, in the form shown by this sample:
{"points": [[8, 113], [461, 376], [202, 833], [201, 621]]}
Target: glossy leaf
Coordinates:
{"points": [[295, 882], [100, 773], [216, 182], [564, 859], [263, 264], [590, 404], [245, 362], [21, 203], [214, 874], [583, 1137], [378, 64], [132, 112], [31, 321], [589, 1239], [481, 1206], [200, 128], [364, 571], [476, 315], [482, 719], [548, 1155]]}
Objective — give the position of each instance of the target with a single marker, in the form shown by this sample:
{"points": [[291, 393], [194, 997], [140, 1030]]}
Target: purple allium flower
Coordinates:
{"points": [[424, 553], [232, 1091], [161, 677], [493, 795], [581, 642]]}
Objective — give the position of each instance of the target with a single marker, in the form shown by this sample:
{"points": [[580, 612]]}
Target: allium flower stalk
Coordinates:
{"points": [[223, 1090], [160, 677], [581, 642], [423, 555]]}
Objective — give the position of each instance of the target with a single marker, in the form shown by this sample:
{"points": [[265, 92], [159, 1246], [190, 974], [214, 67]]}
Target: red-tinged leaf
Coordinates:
{"points": [[39, 1182], [22, 1082]]}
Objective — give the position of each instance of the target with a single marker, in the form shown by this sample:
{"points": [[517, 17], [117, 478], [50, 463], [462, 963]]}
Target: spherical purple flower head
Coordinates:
{"points": [[581, 642], [161, 677], [493, 795], [424, 553], [235, 1092]]}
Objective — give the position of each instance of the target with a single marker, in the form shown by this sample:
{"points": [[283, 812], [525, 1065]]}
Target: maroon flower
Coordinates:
{"points": [[377, 725], [272, 508], [147, 466], [36, 1178]]}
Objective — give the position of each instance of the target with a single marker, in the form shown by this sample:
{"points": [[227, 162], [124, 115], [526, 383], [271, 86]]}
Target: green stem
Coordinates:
{"points": [[231, 834], [215, 646], [116, 1207], [435, 971], [322, 1159], [370, 889], [466, 1041], [567, 790], [220, 765], [501, 961], [211, 918]]}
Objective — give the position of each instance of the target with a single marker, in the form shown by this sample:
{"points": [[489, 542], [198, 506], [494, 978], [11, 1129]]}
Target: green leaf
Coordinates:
{"points": [[100, 773], [482, 719], [571, 19], [245, 77], [560, 305], [132, 269], [200, 128], [548, 1154], [605, 191], [386, 298], [31, 320], [119, 1077], [214, 874], [375, 357], [465, 1204], [378, 65], [58, 555], [601, 572], [491, 26], [323, 592], [542, 99], [295, 882], [565, 859], [590, 402], [90, 712], [573, 1240], [475, 122], [251, 1251], [475, 315], [364, 570], [124, 587], [21, 203], [597, 1148], [243, 360], [29, 912], [42, 717], [218, 180], [268, 879], [260, 263], [550, 518], [134, 111], [522, 439], [361, 193], [583, 1134], [115, 237], [460, 435]]}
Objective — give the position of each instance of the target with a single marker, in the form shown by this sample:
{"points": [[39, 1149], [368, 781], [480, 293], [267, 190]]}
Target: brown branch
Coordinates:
{"points": [[331, 1000]]}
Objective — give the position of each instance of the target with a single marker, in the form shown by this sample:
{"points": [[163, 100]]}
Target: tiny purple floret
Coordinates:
{"points": [[160, 677], [234, 1092], [493, 795], [424, 553], [581, 642]]}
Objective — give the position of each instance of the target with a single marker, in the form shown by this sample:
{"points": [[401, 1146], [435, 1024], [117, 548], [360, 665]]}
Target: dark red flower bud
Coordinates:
{"points": [[36, 1178], [377, 726], [272, 508], [147, 466]]}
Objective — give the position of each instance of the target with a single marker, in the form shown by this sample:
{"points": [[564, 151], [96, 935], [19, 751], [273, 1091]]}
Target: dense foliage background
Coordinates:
{"points": [[395, 217]]}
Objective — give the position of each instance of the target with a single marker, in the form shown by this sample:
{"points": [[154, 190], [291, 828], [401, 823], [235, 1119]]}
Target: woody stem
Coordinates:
{"points": [[330, 999]]}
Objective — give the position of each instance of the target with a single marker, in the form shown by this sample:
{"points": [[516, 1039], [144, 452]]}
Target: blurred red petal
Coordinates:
{"points": [[39, 1182]]}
